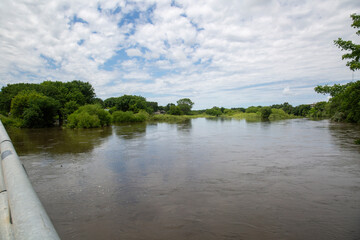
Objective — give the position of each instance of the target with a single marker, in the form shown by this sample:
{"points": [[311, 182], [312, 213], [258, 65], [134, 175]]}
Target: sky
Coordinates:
{"points": [[226, 53]]}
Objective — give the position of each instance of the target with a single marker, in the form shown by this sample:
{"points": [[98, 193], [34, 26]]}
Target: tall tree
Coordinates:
{"points": [[354, 54], [185, 104]]}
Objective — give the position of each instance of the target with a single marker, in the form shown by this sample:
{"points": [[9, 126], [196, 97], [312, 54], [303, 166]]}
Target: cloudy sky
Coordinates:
{"points": [[227, 53]]}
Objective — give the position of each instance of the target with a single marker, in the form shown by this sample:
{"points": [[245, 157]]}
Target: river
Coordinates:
{"points": [[203, 179]]}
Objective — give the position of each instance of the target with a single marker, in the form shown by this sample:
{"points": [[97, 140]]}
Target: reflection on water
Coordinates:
{"points": [[202, 179], [57, 140]]}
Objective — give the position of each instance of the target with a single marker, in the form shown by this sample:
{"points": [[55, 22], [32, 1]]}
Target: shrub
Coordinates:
{"points": [[175, 110], [89, 116], [9, 121], [277, 114], [252, 109], [265, 113], [215, 111], [121, 117], [34, 108]]}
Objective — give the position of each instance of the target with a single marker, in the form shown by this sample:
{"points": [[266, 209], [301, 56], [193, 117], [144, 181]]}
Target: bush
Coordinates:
{"points": [[175, 110], [252, 109], [89, 116], [121, 117], [278, 114], [265, 113], [9, 121], [34, 108], [215, 111]]}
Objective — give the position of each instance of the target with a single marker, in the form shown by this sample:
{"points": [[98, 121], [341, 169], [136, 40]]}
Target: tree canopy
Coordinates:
{"points": [[354, 54], [185, 104], [344, 104], [39, 104]]}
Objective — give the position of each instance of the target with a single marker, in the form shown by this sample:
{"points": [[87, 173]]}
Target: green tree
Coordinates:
{"points": [[252, 109], [185, 104], [34, 108], [110, 102], [83, 89], [345, 102], [132, 103], [168, 106], [301, 110], [265, 113], [354, 54], [89, 116], [69, 108], [215, 111], [175, 110], [98, 101], [9, 91]]}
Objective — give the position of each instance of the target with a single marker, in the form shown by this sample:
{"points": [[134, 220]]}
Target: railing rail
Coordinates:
{"points": [[22, 215]]}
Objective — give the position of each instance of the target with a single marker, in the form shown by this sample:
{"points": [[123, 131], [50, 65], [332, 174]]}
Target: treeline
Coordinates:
{"points": [[75, 104], [273, 112]]}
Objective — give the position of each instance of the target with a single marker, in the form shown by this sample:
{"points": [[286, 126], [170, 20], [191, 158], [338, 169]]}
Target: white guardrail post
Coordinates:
{"points": [[22, 215]]}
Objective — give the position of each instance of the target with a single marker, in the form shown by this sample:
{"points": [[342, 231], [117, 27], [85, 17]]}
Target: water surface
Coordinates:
{"points": [[204, 179]]}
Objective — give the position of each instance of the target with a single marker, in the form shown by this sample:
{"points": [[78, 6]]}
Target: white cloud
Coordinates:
{"points": [[133, 52], [228, 52]]}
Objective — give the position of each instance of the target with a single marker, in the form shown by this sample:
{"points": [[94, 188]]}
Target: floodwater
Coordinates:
{"points": [[204, 179]]}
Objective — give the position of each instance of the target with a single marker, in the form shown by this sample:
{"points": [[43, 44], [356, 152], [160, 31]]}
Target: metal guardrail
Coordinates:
{"points": [[22, 215]]}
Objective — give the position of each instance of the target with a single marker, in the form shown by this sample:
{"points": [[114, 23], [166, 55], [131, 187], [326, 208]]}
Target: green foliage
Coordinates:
{"points": [[76, 91], [265, 112], [168, 106], [332, 90], [288, 108], [348, 103], [215, 111], [357, 141], [112, 110], [98, 101], [252, 109], [169, 118], [81, 90], [279, 114], [344, 104], [69, 108], [153, 106], [122, 117], [354, 54], [175, 110], [11, 122], [251, 117], [231, 112], [34, 108], [185, 105], [89, 116], [110, 102], [11, 90], [83, 120], [131, 103], [301, 110], [320, 110]]}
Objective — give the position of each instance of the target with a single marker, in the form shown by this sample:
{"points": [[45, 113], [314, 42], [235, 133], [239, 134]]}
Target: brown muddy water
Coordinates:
{"points": [[204, 179]]}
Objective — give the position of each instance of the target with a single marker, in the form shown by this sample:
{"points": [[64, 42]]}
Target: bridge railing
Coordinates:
{"points": [[22, 215]]}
